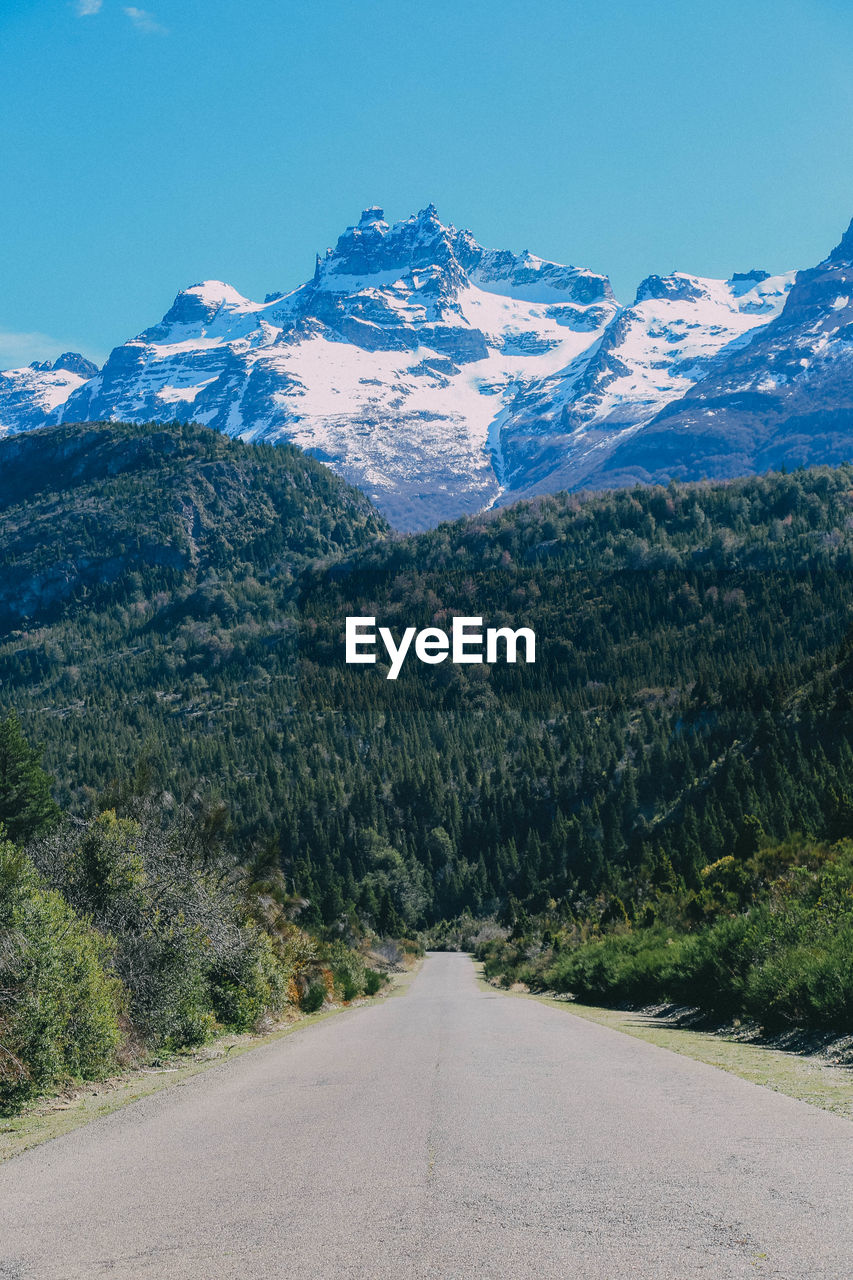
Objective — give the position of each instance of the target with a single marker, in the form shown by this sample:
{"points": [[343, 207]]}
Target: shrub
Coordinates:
{"points": [[314, 998], [348, 987], [182, 945], [347, 969], [711, 970], [633, 968], [786, 962], [374, 981], [178, 1011], [59, 1002], [256, 988]]}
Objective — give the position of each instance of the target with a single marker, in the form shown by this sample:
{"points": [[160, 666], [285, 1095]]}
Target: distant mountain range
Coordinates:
{"points": [[441, 377]]}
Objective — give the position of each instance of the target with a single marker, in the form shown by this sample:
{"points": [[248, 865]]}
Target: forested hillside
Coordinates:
{"points": [[691, 671], [138, 931], [102, 515]]}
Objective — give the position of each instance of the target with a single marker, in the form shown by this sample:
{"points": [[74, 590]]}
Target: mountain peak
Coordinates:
{"points": [[68, 362], [756, 275], [200, 302], [215, 293], [843, 252], [373, 246], [372, 216], [674, 288], [73, 362]]}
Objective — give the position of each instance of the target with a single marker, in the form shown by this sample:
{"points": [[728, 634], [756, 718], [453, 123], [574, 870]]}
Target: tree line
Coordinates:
{"points": [[690, 644]]}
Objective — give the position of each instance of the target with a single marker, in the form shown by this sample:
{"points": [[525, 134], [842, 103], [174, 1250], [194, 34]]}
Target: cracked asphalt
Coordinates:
{"points": [[453, 1132]]}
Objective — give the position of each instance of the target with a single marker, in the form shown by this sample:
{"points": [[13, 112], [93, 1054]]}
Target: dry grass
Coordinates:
{"points": [[808, 1076]]}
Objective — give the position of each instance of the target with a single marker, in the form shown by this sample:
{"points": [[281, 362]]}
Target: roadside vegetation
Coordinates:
{"points": [[766, 935], [619, 819], [135, 931]]}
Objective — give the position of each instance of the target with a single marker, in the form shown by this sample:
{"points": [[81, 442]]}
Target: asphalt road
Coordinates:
{"points": [[453, 1132]]}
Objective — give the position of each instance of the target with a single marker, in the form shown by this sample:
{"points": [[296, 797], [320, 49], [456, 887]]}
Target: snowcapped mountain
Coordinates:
{"points": [[392, 364], [442, 377], [786, 397], [29, 396], [678, 328]]}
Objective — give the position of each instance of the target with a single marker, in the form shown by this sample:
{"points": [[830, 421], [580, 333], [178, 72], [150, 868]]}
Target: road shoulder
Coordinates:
{"points": [[52, 1116], [809, 1078]]}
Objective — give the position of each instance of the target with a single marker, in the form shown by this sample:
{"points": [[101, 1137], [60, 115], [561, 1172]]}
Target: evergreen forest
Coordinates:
{"points": [[173, 608]]}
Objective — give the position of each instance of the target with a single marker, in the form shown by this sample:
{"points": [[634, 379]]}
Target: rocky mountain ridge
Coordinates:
{"points": [[784, 399], [442, 377]]}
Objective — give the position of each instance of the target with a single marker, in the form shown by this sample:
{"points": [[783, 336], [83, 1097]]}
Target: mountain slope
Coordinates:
{"points": [[29, 396], [784, 397], [94, 516], [673, 336], [391, 364], [174, 604]]}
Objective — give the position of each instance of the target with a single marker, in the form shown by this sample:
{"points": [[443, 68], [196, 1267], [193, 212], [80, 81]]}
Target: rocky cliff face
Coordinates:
{"points": [[785, 397], [30, 396], [442, 377], [393, 364]]}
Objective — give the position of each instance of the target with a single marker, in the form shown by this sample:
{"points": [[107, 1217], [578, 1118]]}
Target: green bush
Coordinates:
{"points": [[255, 988], [183, 947], [347, 969], [347, 986], [59, 1002], [314, 998], [801, 972], [807, 985], [712, 969], [176, 1010], [631, 968], [789, 965], [374, 981]]}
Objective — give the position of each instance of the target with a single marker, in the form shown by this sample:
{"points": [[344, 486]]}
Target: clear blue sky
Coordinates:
{"points": [[146, 147]]}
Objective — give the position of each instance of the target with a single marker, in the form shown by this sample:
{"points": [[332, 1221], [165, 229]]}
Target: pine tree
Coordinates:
{"points": [[27, 807]]}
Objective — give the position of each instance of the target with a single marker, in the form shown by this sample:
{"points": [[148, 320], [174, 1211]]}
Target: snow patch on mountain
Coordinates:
{"points": [[391, 364], [784, 396], [443, 377], [29, 396], [650, 354]]}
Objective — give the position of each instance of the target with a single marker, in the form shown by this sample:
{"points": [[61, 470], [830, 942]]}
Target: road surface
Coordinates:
{"points": [[453, 1132]]}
